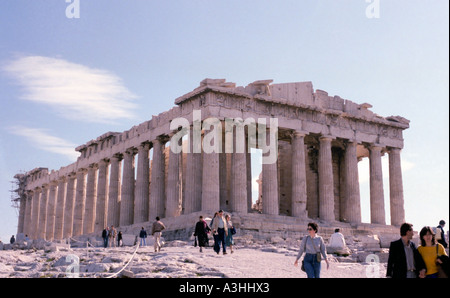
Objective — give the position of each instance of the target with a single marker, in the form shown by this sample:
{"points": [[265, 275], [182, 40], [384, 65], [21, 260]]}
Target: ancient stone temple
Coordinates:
{"points": [[195, 159]]}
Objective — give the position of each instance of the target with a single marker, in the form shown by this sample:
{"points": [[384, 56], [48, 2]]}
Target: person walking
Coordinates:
{"points": [[440, 234], [112, 236], [404, 260], [201, 232], [314, 248], [143, 236], [119, 239], [157, 229], [105, 235], [229, 238], [12, 240], [211, 224], [219, 229], [430, 251]]}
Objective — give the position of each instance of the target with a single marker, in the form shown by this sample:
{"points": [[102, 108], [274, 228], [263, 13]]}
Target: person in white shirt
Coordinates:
{"points": [[337, 240]]}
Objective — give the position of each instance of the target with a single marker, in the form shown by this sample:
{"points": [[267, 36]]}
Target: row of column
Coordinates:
{"points": [[104, 194]]}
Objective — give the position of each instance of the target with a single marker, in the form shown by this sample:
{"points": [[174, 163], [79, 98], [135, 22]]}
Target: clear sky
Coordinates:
{"points": [[65, 81]]}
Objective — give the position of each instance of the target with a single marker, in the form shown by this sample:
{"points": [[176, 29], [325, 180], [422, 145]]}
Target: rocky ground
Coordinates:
{"points": [[180, 259]]}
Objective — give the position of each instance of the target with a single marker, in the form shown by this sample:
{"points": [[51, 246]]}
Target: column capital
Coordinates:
{"points": [[326, 138], [82, 171], [298, 133]]}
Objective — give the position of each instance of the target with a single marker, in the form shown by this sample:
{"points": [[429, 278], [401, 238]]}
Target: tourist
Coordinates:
{"points": [[105, 235], [314, 247], [211, 226], [404, 259], [143, 236], [112, 236], [229, 239], [12, 240], [430, 250], [337, 239], [440, 234], [157, 229], [119, 239], [201, 232], [220, 232]]}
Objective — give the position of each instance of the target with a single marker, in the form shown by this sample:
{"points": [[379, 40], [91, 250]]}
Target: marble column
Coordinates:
{"points": [[396, 188], [91, 199], [70, 205], [51, 211], [210, 182], [326, 186], [239, 194], [115, 191], [43, 212], [102, 195], [27, 219], [22, 210], [157, 186], [60, 204], [35, 213], [270, 200], [193, 191], [141, 204], [298, 175], [353, 200], [173, 198], [128, 187], [80, 202], [377, 209]]}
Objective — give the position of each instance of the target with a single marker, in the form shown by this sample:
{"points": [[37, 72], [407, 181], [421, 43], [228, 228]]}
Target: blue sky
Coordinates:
{"points": [[65, 81]]}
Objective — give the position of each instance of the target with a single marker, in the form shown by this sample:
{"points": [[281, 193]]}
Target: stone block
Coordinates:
{"points": [[129, 239]]}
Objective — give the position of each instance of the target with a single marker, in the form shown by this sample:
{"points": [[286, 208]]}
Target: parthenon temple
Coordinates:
{"points": [[128, 178]]}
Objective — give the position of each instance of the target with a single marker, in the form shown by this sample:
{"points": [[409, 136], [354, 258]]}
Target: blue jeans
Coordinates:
{"points": [[105, 242], [142, 242], [220, 238], [312, 267]]}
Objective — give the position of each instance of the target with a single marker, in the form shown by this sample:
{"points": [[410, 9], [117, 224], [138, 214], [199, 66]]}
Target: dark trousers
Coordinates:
{"points": [[218, 239]]}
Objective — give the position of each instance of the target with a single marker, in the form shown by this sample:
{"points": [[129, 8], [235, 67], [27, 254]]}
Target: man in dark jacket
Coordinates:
{"points": [[404, 259]]}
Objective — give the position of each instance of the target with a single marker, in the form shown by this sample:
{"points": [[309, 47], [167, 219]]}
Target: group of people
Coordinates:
{"points": [[222, 229], [157, 228], [109, 235], [428, 260]]}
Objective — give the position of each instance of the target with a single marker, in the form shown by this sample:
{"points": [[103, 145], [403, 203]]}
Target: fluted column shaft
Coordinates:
{"points": [[115, 191], [102, 195], [59, 212], [128, 186], [396, 188], [27, 220], [193, 191], [326, 187], [69, 206], [91, 199], [298, 175], [377, 210], [22, 210], [173, 199], [353, 200], [141, 205], [43, 212], [239, 201], [157, 186], [270, 200], [51, 211], [210, 182], [80, 202], [35, 213]]}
